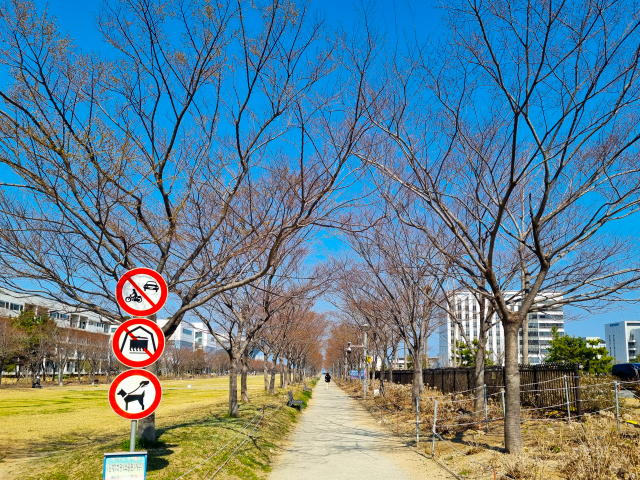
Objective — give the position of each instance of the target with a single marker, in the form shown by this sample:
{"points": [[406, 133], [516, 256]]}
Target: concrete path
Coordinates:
{"points": [[337, 439]]}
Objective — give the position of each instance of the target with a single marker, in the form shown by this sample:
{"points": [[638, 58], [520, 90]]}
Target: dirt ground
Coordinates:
{"points": [[590, 448]]}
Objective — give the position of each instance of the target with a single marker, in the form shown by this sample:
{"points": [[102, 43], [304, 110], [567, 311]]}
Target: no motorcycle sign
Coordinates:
{"points": [[141, 291]]}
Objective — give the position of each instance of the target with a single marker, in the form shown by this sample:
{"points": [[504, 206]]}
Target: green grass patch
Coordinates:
{"points": [[187, 434]]}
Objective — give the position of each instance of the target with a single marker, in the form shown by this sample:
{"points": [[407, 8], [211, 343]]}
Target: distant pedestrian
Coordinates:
{"points": [[327, 380]]}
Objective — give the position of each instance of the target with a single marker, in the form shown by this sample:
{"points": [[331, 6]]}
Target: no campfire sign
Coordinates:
{"points": [[138, 342], [135, 394], [141, 291]]}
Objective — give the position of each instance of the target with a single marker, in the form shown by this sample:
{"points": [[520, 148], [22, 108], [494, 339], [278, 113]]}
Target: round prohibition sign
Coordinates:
{"points": [[138, 342], [141, 291], [135, 394]]}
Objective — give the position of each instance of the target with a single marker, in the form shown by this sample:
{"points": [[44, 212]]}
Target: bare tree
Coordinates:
{"points": [[204, 137], [533, 101], [394, 275], [236, 317], [11, 340]]}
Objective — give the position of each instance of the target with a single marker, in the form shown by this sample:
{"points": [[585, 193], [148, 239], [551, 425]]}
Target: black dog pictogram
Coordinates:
{"points": [[129, 397]]}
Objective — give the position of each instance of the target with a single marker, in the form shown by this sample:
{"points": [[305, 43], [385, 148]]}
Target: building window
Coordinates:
{"points": [[187, 332]]}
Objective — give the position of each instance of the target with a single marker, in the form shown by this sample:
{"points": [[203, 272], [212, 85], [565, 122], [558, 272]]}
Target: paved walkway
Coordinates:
{"points": [[337, 439]]}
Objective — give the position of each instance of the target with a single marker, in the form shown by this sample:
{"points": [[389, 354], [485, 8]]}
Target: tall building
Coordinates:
{"points": [[11, 304], [193, 335], [467, 310], [622, 340]]}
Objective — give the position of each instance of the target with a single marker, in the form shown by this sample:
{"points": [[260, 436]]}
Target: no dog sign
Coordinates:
{"points": [[135, 394]]}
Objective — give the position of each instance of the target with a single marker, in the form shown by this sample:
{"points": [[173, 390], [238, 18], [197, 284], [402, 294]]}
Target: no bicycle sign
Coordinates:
{"points": [[141, 291]]}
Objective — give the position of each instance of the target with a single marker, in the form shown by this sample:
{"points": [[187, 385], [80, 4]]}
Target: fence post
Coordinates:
{"points": [[576, 384], [435, 419], [486, 407], [417, 421], [504, 412], [454, 381], [535, 386], [566, 391], [615, 386]]}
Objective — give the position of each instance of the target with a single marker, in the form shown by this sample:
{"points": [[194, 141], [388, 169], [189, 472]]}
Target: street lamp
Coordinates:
{"points": [[365, 329]]}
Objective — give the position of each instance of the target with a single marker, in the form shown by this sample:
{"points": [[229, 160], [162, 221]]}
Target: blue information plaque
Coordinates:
{"points": [[125, 466]]}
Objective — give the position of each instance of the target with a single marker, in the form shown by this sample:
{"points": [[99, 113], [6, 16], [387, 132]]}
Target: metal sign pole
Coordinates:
{"points": [[132, 440]]}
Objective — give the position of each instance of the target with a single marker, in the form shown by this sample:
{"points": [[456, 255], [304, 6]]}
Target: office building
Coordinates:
{"points": [[621, 339], [11, 304], [467, 311]]}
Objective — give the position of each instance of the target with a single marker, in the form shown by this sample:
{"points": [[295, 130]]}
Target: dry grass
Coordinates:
{"points": [[64, 431], [591, 449]]}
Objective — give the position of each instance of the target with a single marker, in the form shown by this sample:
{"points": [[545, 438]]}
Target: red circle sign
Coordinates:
{"points": [[138, 342], [141, 291], [135, 394]]}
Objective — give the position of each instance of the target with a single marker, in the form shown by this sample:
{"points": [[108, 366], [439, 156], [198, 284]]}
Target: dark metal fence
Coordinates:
{"points": [[542, 386]]}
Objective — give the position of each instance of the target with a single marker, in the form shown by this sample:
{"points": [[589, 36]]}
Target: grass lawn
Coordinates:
{"points": [[62, 433]]}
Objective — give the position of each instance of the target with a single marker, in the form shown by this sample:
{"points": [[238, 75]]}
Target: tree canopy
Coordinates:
{"points": [[586, 353]]}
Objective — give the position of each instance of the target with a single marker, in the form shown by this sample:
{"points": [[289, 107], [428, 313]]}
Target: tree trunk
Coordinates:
{"points": [[1, 369], [417, 376], [243, 379], [512, 433], [147, 425], [265, 370], [233, 388], [479, 377], [61, 372], [526, 285], [272, 383], [281, 374]]}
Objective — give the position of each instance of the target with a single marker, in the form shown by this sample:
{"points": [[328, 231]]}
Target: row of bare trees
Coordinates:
{"points": [[35, 346], [502, 154], [212, 141], [205, 141]]}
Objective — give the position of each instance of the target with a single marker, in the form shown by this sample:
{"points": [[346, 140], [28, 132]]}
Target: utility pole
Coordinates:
{"points": [[365, 329]]}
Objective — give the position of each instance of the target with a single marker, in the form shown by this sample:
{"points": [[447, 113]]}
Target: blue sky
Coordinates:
{"points": [[394, 20]]}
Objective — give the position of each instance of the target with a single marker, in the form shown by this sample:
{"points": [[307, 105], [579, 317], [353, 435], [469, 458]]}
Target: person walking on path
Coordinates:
{"points": [[327, 380]]}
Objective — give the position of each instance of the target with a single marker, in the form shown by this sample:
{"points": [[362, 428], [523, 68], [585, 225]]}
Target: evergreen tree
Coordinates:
{"points": [[467, 357], [586, 353]]}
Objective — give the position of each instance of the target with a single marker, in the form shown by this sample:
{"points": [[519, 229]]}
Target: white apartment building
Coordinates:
{"points": [[467, 310], [11, 304], [622, 339], [193, 335], [601, 343]]}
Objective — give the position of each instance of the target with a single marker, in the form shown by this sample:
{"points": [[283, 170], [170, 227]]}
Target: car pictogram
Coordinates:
{"points": [[151, 285]]}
